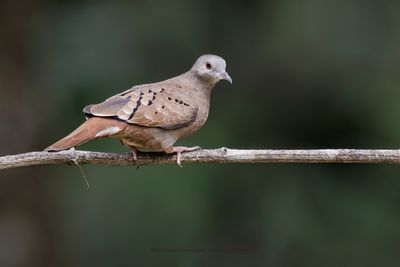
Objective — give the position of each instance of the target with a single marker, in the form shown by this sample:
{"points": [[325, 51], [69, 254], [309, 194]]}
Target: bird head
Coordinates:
{"points": [[211, 68]]}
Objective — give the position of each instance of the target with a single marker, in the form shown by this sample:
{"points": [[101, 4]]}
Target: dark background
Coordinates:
{"points": [[307, 74]]}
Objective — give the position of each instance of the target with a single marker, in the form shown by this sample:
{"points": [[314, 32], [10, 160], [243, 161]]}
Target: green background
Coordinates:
{"points": [[306, 74]]}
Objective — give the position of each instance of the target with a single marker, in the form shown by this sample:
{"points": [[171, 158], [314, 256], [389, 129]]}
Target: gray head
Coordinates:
{"points": [[211, 68]]}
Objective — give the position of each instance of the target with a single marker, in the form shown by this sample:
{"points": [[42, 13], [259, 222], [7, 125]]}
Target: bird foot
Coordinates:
{"points": [[178, 150], [133, 150], [134, 153]]}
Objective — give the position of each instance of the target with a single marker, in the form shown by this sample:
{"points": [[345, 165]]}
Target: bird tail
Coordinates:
{"points": [[93, 128]]}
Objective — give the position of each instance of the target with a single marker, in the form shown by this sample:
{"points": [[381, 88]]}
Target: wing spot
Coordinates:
{"points": [[181, 102], [156, 112], [176, 100], [150, 91], [150, 102], [154, 98], [169, 98], [186, 104], [138, 103], [162, 90], [162, 106]]}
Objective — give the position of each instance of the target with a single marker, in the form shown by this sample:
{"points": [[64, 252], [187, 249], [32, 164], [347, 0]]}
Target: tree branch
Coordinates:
{"points": [[222, 155]]}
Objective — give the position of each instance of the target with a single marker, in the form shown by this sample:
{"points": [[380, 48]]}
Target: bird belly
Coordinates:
{"points": [[148, 139]]}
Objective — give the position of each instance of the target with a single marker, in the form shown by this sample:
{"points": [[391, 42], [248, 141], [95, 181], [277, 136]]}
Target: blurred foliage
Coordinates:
{"points": [[307, 74]]}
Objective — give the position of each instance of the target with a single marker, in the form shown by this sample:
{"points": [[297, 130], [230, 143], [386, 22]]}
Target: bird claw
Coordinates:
{"points": [[178, 158], [179, 149]]}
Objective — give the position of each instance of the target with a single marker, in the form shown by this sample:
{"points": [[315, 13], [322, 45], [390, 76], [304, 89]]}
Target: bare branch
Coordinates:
{"points": [[222, 155]]}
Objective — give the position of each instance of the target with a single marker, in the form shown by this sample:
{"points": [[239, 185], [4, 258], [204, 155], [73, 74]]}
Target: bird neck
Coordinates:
{"points": [[199, 83]]}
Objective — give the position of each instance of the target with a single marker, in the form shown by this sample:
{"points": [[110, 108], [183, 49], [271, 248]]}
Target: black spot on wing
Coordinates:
{"points": [[138, 103]]}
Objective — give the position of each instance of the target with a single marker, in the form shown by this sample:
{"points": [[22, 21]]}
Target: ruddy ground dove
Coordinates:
{"points": [[152, 117]]}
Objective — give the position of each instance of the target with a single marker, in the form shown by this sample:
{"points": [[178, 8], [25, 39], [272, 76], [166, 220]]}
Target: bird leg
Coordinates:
{"points": [[178, 150], [134, 152]]}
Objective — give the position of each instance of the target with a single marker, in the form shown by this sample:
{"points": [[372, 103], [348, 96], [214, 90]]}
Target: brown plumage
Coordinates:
{"points": [[152, 117], [86, 132]]}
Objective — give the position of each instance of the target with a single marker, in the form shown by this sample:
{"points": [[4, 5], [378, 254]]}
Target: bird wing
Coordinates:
{"points": [[162, 106]]}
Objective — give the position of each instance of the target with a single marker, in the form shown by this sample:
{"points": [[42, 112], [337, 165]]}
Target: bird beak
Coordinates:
{"points": [[225, 76]]}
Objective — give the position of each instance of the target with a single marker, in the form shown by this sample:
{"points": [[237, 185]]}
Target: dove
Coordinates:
{"points": [[153, 117]]}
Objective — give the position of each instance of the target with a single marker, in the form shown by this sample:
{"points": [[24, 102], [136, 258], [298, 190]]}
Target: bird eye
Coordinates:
{"points": [[208, 66]]}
